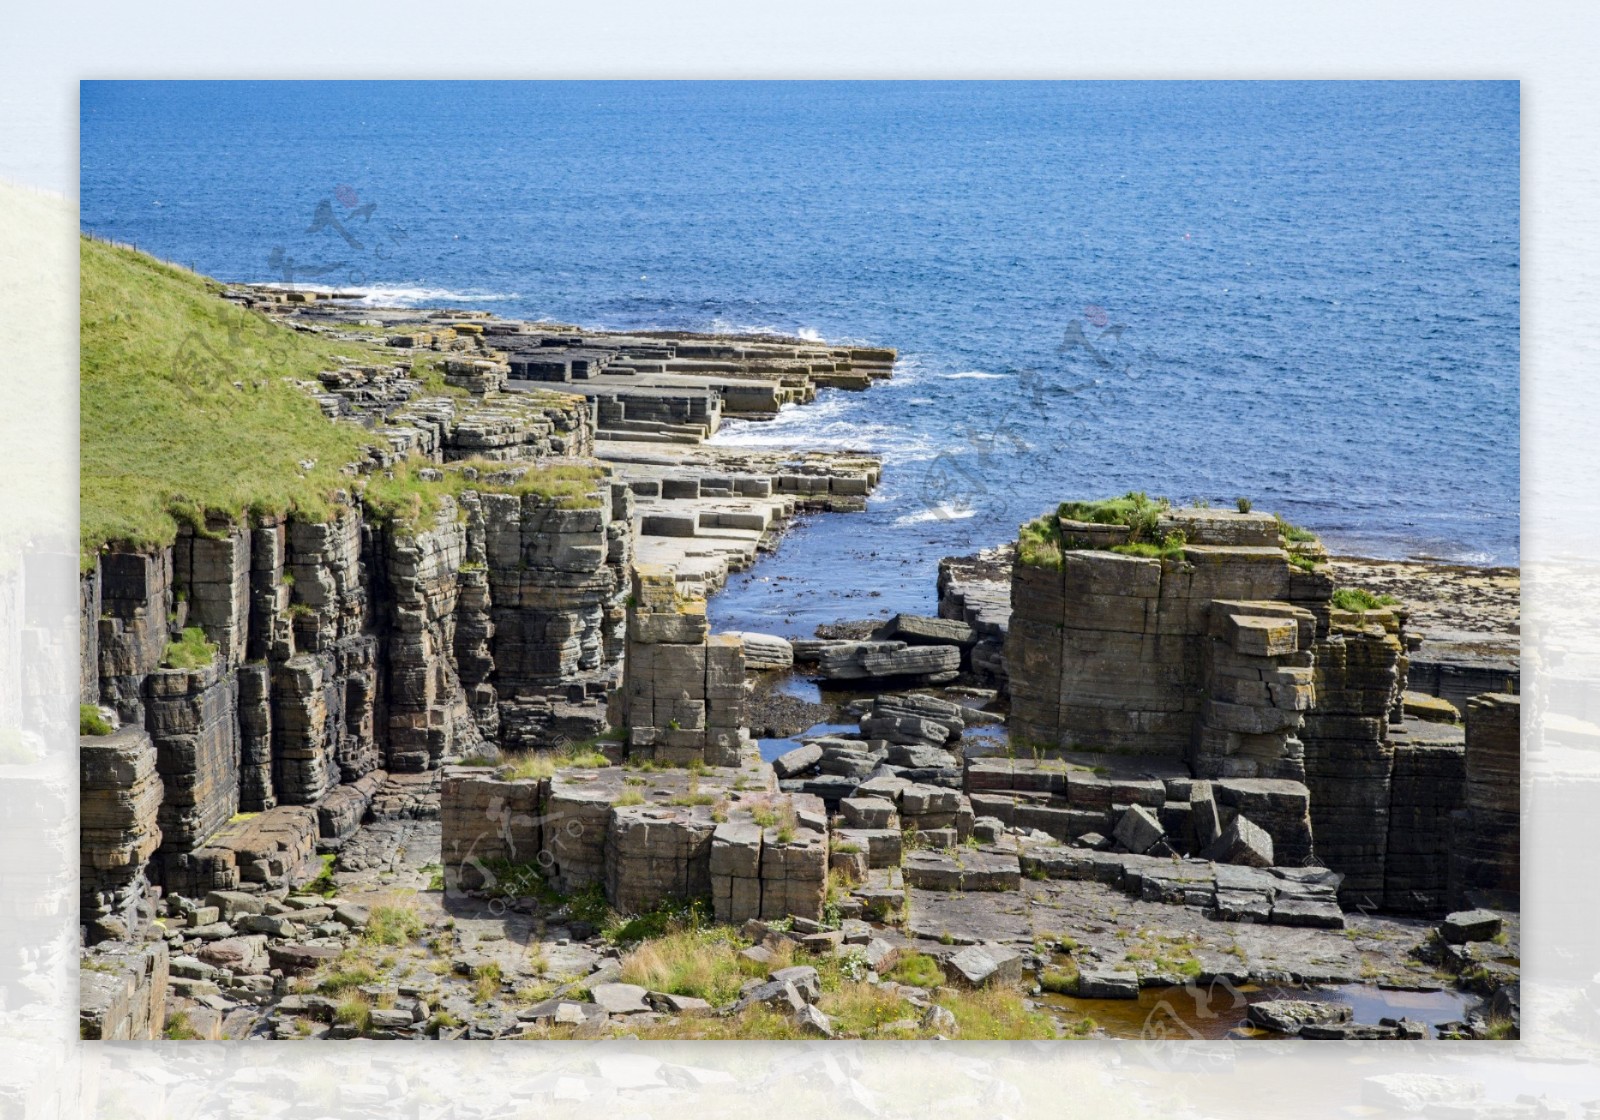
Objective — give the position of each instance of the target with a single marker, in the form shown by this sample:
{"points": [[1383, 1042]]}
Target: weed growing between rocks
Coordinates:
{"points": [[323, 884], [178, 1027], [191, 651], [692, 961], [1359, 599], [393, 924], [918, 970], [91, 722], [486, 982]]}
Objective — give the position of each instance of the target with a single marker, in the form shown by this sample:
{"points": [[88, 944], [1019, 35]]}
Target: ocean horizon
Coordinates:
{"points": [[1302, 293]]}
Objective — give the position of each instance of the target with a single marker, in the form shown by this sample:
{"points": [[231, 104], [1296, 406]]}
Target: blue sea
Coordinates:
{"points": [[1302, 293]]}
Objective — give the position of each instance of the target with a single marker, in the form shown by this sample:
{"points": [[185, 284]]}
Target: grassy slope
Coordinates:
{"points": [[163, 431]]}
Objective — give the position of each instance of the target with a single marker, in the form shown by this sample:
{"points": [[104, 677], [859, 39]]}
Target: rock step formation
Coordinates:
{"points": [[1228, 654], [976, 590], [1288, 896], [119, 801], [658, 387], [1486, 836], [1072, 797], [122, 991], [721, 834], [684, 688], [710, 511]]}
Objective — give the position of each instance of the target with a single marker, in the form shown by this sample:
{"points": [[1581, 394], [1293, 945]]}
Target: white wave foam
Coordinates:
{"points": [[413, 297], [832, 421], [809, 334], [382, 296], [972, 375], [941, 512]]}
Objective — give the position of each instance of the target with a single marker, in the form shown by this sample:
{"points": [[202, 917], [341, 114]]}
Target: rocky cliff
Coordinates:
{"points": [[1216, 641], [269, 658]]}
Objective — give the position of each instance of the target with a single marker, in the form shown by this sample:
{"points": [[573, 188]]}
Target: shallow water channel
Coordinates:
{"points": [[1217, 1010]]}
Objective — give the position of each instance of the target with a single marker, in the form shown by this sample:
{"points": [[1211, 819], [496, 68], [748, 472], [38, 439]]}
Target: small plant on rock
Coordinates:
{"points": [[91, 722], [190, 651]]}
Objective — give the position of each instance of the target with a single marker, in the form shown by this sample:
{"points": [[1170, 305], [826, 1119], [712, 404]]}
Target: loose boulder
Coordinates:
{"points": [[1242, 842]]}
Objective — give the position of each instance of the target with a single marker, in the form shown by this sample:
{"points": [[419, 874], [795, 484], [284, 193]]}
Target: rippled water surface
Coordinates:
{"points": [[1304, 293]]}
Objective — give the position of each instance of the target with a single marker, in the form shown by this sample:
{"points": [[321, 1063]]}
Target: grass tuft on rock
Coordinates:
{"points": [[699, 962], [1293, 533], [1360, 599], [919, 970], [518, 766], [392, 924], [1135, 509], [191, 651], [91, 722], [1039, 543]]}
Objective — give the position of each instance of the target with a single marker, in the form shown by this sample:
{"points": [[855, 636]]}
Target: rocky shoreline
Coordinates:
{"points": [[464, 759]]}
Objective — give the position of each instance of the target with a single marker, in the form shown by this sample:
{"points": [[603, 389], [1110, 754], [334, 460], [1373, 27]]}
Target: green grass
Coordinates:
{"points": [[674, 915], [692, 961], [402, 496], [996, 1013], [356, 1011], [1135, 509], [544, 763], [164, 433], [1500, 1028], [91, 722], [191, 651], [694, 795], [486, 982], [1170, 548], [1293, 533], [1062, 981], [323, 883], [188, 411], [391, 925], [1303, 562], [344, 980], [1360, 599], [178, 1027], [919, 970], [1039, 543]]}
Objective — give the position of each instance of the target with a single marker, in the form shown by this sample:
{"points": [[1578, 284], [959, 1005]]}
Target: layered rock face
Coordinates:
{"points": [[722, 835], [557, 581], [1359, 667], [321, 655], [119, 802], [1486, 840], [123, 991], [1234, 662], [976, 590], [685, 688], [1427, 784], [1202, 657], [672, 388]]}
